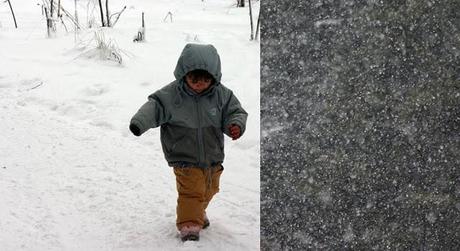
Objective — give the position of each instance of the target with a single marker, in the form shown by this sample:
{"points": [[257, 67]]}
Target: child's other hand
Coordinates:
{"points": [[134, 129], [235, 131]]}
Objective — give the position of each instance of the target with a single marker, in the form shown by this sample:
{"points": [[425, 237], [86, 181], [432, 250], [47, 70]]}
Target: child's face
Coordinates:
{"points": [[198, 85]]}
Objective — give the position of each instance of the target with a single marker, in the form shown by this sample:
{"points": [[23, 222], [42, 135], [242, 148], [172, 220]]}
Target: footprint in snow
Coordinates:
{"points": [[95, 90], [103, 124], [29, 84]]}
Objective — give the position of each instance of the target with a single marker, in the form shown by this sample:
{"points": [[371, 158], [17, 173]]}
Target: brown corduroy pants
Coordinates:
{"points": [[195, 187]]}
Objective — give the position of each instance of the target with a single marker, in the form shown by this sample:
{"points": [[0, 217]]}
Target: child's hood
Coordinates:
{"points": [[198, 57]]}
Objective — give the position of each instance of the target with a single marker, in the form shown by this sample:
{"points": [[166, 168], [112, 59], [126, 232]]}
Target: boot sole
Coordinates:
{"points": [[191, 237]]}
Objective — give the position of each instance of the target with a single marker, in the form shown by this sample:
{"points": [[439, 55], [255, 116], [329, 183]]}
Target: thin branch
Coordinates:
{"points": [[12, 13], [102, 13], [39, 84], [166, 17], [59, 8], [51, 9], [257, 27], [48, 21], [107, 12], [76, 12], [70, 17], [62, 21], [119, 14], [250, 16]]}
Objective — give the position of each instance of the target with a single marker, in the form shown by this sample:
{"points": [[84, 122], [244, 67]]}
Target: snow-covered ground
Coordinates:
{"points": [[72, 176]]}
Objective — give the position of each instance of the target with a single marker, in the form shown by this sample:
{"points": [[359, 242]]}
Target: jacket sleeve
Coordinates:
{"points": [[234, 114], [152, 114]]}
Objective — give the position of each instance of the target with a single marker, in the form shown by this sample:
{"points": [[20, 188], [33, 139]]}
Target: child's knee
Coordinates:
{"points": [[190, 182]]}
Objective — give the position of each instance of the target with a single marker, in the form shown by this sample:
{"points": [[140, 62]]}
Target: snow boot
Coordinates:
{"points": [[190, 233]]}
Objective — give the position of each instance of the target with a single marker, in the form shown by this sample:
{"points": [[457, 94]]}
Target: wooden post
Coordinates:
{"points": [[143, 23], [12, 13]]}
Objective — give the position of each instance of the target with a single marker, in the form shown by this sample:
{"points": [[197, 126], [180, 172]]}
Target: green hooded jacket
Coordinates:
{"points": [[192, 125]]}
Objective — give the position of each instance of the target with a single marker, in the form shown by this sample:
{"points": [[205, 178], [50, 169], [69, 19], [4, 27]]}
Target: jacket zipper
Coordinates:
{"points": [[200, 134]]}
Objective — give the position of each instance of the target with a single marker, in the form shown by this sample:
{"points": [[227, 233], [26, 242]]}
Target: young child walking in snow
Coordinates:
{"points": [[194, 112]]}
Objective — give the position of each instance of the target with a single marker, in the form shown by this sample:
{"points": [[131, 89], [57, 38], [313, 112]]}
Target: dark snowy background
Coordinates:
{"points": [[360, 113]]}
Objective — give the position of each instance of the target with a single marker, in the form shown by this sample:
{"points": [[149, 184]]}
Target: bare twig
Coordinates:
{"points": [[257, 27], [250, 16], [76, 12], [107, 13], [166, 17], [65, 27], [119, 14], [35, 87], [102, 13], [143, 23], [70, 17], [48, 21], [140, 36], [12, 13], [59, 9], [51, 8]]}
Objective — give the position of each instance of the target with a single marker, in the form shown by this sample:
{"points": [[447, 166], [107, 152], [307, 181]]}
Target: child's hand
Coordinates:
{"points": [[235, 131], [134, 129]]}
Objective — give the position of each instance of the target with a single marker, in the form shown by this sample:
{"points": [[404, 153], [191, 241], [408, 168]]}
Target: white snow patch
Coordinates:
{"points": [[72, 176]]}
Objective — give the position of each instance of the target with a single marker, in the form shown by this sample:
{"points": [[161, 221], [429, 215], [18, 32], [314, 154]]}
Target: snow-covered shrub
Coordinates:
{"points": [[101, 47], [108, 48]]}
